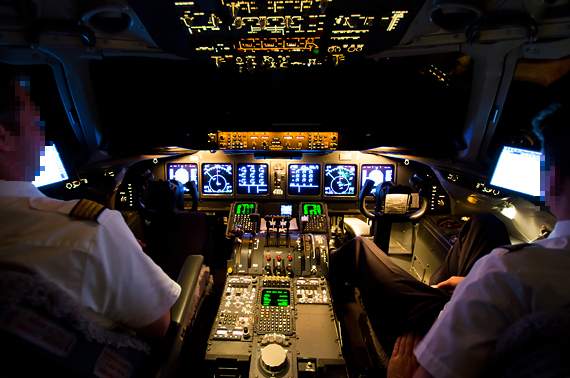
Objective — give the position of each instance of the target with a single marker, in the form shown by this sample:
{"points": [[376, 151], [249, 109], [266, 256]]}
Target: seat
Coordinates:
{"points": [[43, 326], [171, 233], [535, 346]]}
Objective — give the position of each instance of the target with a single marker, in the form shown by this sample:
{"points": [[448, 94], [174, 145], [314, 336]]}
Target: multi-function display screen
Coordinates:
{"points": [[252, 179], [286, 210], [53, 169], [340, 179], [378, 173], [304, 179], [312, 209], [217, 179], [244, 208], [518, 170], [183, 173], [273, 297]]}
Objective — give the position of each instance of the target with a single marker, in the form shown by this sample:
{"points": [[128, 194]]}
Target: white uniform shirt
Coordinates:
{"points": [[99, 263], [501, 288]]}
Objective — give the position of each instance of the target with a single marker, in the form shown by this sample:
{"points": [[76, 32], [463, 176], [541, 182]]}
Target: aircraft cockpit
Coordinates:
{"points": [[293, 126]]}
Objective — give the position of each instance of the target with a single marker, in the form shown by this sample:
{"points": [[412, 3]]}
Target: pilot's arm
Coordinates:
{"points": [[123, 284], [481, 308], [157, 328]]}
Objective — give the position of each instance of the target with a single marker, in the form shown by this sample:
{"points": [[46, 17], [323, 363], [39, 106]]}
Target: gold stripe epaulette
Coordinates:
{"points": [[86, 209]]}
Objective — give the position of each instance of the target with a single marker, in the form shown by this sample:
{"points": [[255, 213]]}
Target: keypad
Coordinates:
{"points": [[316, 224], [275, 319]]}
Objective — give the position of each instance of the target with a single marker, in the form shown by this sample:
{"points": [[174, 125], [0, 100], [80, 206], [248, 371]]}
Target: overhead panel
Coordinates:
{"points": [[274, 34]]}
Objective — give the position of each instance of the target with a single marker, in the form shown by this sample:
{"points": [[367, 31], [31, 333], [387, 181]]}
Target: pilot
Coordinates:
{"points": [[96, 260], [506, 284], [392, 296]]}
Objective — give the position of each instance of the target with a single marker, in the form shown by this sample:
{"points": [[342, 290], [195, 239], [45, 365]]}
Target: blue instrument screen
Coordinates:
{"points": [[252, 179], [304, 179]]}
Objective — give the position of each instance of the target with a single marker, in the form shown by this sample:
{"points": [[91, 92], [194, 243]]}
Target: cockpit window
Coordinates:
{"points": [[535, 85], [406, 101]]}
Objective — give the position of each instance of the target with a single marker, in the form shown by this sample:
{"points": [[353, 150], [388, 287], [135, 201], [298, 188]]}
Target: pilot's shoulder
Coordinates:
{"points": [[87, 209], [82, 209], [515, 247]]}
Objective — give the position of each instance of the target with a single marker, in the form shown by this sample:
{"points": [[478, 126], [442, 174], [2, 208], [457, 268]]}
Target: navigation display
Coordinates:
{"points": [[252, 179], [217, 179], [272, 297], [340, 179], [304, 179], [518, 170], [52, 170], [183, 173], [378, 173]]}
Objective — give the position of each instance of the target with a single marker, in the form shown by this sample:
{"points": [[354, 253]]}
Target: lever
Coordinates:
{"points": [[254, 218], [287, 219], [268, 219], [277, 219]]}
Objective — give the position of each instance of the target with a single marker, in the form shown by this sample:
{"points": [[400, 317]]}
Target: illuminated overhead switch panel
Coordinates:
{"points": [[278, 141], [277, 34]]}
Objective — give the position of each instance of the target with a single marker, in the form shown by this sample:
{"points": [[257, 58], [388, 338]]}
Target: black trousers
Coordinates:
{"points": [[395, 301]]}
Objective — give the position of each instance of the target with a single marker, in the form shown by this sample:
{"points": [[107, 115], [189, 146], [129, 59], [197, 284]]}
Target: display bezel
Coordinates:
{"points": [[504, 190], [236, 180], [198, 173], [392, 166], [356, 183], [301, 195], [202, 174], [275, 298], [68, 165]]}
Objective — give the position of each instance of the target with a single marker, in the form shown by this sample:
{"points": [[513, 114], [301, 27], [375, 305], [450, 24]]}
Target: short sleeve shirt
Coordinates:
{"points": [[501, 288], [99, 263]]}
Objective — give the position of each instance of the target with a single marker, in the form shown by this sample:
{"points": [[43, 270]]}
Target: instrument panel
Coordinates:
{"points": [[336, 176], [220, 177]]}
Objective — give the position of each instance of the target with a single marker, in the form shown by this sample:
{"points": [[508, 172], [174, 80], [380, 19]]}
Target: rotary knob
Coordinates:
{"points": [[273, 358]]}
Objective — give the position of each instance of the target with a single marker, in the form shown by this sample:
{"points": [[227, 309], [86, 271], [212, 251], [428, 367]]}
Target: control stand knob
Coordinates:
{"points": [[273, 358]]}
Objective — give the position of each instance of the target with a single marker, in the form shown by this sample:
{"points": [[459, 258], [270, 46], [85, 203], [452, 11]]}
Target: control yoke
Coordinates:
{"points": [[191, 185], [394, 200]]}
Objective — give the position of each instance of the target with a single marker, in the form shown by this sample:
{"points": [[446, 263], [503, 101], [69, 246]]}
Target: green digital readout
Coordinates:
{"points": [[245, 208], [312, 209], [272, 297]]}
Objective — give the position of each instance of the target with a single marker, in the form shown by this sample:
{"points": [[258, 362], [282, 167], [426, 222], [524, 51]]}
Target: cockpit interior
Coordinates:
{"points": [[293, 126]]}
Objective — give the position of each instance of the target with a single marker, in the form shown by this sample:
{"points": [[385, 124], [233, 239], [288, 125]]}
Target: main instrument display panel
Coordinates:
{"points": [[304, 179], [183, 173], [252, 178], [217, 179], [378, 173], [340, 179]]}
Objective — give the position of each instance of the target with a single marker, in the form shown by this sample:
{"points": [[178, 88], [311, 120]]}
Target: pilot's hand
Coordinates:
{"points": [[403, 363], [450, 284]]}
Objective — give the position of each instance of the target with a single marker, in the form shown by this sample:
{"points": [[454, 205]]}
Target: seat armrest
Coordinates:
{"points": [[187, 280], [180, 313]]}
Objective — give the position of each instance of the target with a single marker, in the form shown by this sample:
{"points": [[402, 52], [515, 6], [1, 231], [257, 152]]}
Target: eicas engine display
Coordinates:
{"points": [[276, 289]]}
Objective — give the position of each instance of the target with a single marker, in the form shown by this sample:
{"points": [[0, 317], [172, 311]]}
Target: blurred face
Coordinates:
{"points": [[21, 148], [551, 184]]}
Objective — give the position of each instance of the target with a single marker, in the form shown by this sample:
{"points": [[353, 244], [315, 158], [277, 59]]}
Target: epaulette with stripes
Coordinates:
{"points": [[86, 209], [515, 247]]}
